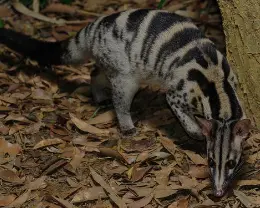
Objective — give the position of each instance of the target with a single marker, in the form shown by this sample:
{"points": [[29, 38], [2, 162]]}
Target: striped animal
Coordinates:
{"points": [[155, 46]]}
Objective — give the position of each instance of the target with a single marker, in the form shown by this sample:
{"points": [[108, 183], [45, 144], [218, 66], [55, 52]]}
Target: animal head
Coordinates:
{"points": [[224, 150]]}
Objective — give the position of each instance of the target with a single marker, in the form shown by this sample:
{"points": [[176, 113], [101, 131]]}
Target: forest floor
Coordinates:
{"points": [[59, 149]]}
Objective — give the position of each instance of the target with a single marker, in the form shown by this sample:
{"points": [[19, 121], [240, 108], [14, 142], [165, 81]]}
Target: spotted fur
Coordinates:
{"points": [[157, 47]]}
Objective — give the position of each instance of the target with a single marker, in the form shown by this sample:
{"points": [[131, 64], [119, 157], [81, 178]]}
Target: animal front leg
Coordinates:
{"points": [[187, 121], [123, 90]]}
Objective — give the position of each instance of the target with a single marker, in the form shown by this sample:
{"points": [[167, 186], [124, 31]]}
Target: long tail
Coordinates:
{"points": [[46, 53]]}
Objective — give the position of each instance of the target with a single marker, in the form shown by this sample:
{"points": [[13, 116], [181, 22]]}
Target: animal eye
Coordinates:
{"points": [[211, 163], [231, 164]]}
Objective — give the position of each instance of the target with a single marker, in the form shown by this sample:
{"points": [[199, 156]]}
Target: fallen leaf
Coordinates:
{"points": [[199, 171], [59, 130], [168, 144], [163, 191], [24, 10], [39, 94], [39, 183], [162, 176], [182, 203], [63, 203], [139, 173], [10, 176], [8, 99], [6, 200], [196, 158], [111, 193], [77, 158], [33, 128], [20, 118], [142, 202], [4, 108], [19, 201], [11, 149], [54, 167], [106, 117], [84, 126], [187, 182], [243, 199], [48, 142], [89, 194], [111, 153], [5, 12]]}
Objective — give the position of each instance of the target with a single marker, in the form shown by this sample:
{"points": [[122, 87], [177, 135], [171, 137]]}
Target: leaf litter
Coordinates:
{"points": [[59, 149]]}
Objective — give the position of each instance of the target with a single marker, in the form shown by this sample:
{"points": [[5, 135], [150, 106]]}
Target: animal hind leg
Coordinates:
{"points": [[124, 88], [100, 86]]}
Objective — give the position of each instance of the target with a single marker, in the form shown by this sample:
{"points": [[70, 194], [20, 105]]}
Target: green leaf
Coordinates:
{"points": [[66, 1], [160, 5], [1, 23]]}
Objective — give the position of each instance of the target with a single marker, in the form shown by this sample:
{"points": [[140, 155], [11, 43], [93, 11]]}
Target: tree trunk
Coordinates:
{"points": [[241, 22]]}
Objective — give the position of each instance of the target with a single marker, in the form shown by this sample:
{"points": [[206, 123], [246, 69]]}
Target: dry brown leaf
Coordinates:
{"points": [[196, 158], [76, 160], [162, 176], [63, 203], [21, 199], [8, 99], [103, 118], [6, 200], [163, 191], [33, 128], [111, 153], [142, 202], [84, 126], [54, 167], [16, 128], [48, 142], [39, 183], [59, 130], [22, 9], [111, 193], [39, 94], [89, 194], [5, 109], [199, 171], [243, 199], [5, 12], [187, 182], [11, 149], [10, 176], [139, 173], [16, 117], [168, 144], [182, 203], [252, 182]]}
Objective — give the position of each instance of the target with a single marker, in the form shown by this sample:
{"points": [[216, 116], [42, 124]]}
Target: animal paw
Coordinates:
{"points": [[129, 133]]}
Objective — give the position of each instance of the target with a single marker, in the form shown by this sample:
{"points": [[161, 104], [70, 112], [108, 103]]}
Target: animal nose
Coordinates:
{"points": [[219, 193]]}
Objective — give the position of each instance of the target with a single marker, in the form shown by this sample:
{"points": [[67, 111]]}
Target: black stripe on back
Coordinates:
{"points": [[178, 40], [208, 89], [235, 105], [135, 19], [109, 20], [196, 54], [133, 26], [160, 23], [210, 50]]}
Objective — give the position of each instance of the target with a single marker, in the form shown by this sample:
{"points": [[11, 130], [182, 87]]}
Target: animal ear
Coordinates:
{"points": [[205, 125], [241, 128]]}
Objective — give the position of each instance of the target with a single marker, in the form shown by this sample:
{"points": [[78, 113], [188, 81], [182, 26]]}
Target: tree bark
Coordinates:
{"points": [[241, 23]]}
